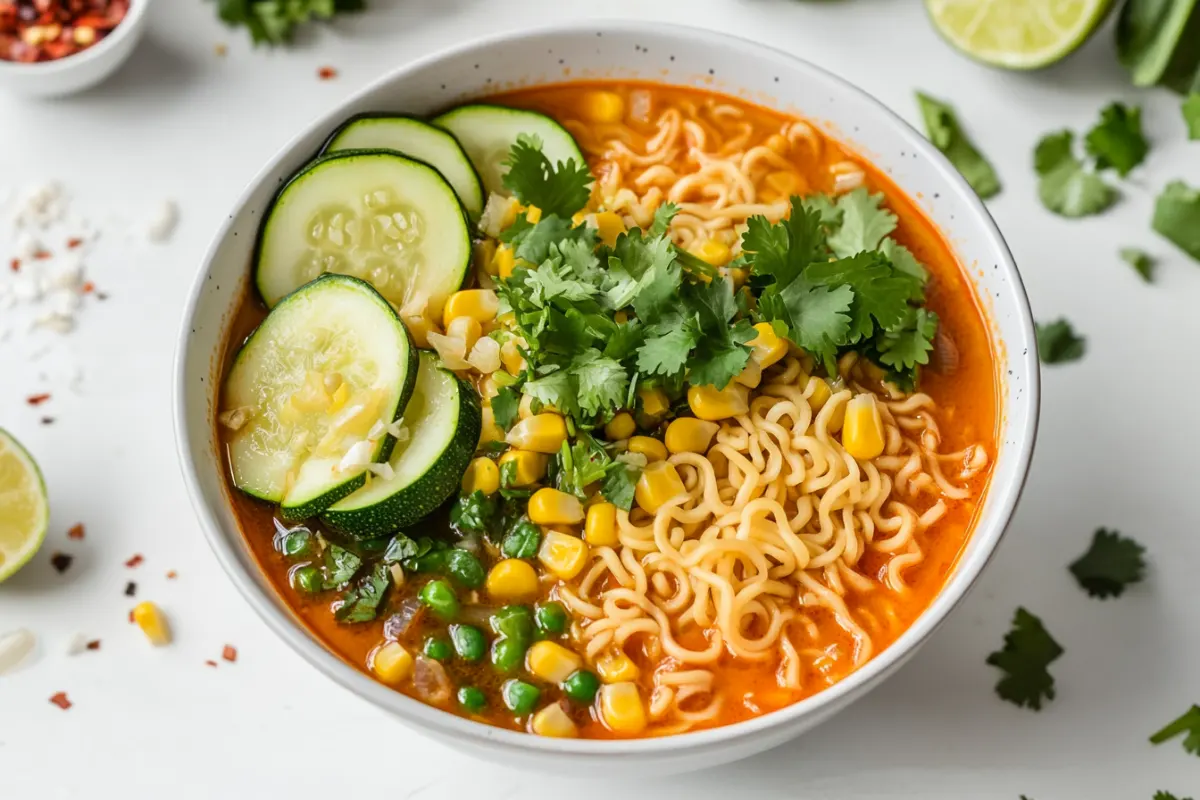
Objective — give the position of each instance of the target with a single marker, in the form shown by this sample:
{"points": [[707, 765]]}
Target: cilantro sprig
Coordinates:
{"points": [[1028, 651], [943, 129], [1111, 563], [1065, 185], [1177, 217], [1058, 343], [1117, 141], [273, 22], [1187, 725]]}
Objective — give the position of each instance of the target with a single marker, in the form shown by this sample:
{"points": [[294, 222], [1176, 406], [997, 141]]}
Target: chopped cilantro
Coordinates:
{"points": [[1028, 651], [560, 189], [666, 353], [508, 474], [579, 465], [721, 351], [619, 484], [1191, 115], [943, 129], [1065, 186], [274, 21], [340, 566], [473, 513], [505, 407], [600, 382], [908, 344], [1058, 343], [1109, 565], [1117, 141], [1187, 724], [864, 223], [399, 548], [1140, 260], [1161, 795], [361, 604], [1177, 217]]}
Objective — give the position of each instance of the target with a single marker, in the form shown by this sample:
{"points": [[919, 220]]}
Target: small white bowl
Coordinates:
{"points": [[667, 54], [82, 70]]}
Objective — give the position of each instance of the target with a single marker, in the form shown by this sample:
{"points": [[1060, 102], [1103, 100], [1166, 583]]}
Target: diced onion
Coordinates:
{"points": [[430, 681], [633, 459], [235, 418], [15, 647], [485, 355], [452, 350], [498, 213], [359, 455]]}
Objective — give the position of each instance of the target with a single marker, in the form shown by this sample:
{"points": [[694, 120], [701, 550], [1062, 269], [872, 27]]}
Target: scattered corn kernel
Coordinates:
{"points": [[153, 623], [541, 433], [862, 433], [510, 356], [609, 226], [480, 305], [512, 579], [84, 35], [616, 668], [620, 317], [552, 507], [712, 252], [654, 402], [622, 708], [552, 662], [768, 347], [751, 374], [489, 431], [533, 215], [531, 467], [554, 722], [504, 261], [818, 393], [482, 475], [563, 554], [713, 404], [689, 435], [659, 483], [600, 528], [601, 106], [392, 663], [621, 426], [651, 448]]}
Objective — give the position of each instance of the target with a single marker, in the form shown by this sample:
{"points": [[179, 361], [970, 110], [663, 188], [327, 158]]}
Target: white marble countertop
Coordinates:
{"points": [[1117, 445]]}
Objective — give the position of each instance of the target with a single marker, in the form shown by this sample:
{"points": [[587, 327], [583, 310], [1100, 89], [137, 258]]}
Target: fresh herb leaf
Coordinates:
{"points": [[505, 407], [780, 251], [666, 353], [580, 465], [881, 293], [273, 22], [600, 382], [474, 512], [1065, 186], [430, 557], [1191, 115], [1161, 795], [625, 340], [400, 548], [1187, 724], [1109, 565], [1054, 150], [662, 219], [522, 540], [943, 129], [864, 223], [508, 474], [1177, 217], [1140, 260], [721, 352], [903, 260], [560, 189], [1058, 343], [1028, 651], [340, 566], [817, 317], [620, 483], [361, 604], [908, 343], [1117, 140]]}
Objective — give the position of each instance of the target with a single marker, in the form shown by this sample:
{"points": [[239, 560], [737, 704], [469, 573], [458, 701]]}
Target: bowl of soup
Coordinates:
{"points": [[601, 396]]}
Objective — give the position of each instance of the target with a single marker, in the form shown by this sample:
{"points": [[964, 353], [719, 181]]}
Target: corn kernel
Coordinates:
{"points": [[688, 435], [738, 276], [479, 304], [600, 529], [654, 402], [531, 467], [153, 623], [554, 722], [84, 35], [511, 358], [482, 475], [768, 347], [552, 507], [419, 327], [616, 668], [659, 483], [648, 446], [711, 252], [601, 106], [621, 426], [712, 404], [504, 261], [541, 433], [489, 431], [620, 317], [622, 708], [533, 215], [609, 226], [467, 329], [512, 579], [552, 662], [818, 393], [751, 374], [778, 143], [392, 663], [862, 435], [563, 554]]}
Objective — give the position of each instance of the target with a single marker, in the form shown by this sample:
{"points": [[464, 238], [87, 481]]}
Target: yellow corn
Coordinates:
{"points": [[531, 467], [419, 327], [713, 404], [621, 426], [482, 476], [467, 329], [552, 662], [489, 431], [392, 663], [659, 483], [483, 256], [620, 317], [480, 305], [688, 435], [533, 215], [153, 623], [511, 358], [552, 507], [563, 554], [738, 276], [609, 226], [622, 708], [862, 434], [616, 668], [651, 448], [340, 396], [554, 722], [603, 106], [504, 261], [600, 529], [768, 347], [654, 402], [819, 393], [710, 251], [541, 433], [751, 374], [512, 579]]}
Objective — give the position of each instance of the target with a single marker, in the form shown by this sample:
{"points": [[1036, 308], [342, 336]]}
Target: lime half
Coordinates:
{"points": [[24, 512], [1017, 34]]}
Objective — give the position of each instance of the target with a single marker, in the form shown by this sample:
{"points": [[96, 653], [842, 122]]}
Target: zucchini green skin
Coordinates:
{"points": [[420, 498]]}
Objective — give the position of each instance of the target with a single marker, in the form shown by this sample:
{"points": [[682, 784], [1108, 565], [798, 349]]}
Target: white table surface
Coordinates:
{"points": [[1118, 437]]}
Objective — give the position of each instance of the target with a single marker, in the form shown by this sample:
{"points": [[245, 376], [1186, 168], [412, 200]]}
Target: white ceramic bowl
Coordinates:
{"points": [[82, 70], [667, 54]]}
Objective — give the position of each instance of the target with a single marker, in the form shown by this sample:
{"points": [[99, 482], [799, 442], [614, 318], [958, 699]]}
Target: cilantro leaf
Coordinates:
{"points": [[720, 352], [1065, 186], [880, 292], [943, 129], [903, 260], [1117, 140], [625, 340], [667, 353], [782, 250], [580, 464], [553, 281], [662, 219], [1058, 343], [864, 223], [642, 272], [1140, 260], [555, 389], [1188, 724], [273, 22], [1177, 217], [619, 484], [340, 566], [1191, 115], [533, 242], [601, 382], [1028, 650], [817, 317], [908, 343], [505, 406], [361, 604], [560, 189], [1053, 151], [1109, 565], [1161, 795]]}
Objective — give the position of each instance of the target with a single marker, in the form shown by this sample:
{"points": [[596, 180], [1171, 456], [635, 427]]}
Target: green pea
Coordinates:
{"points": [[520, 697], [581, 686], [440, 598], [465, 568], [472, 699], [522, 540], [438, 648], [514, 622], [308, 579], [508, 654], [551, 618], [469, 642], [297, 544]]}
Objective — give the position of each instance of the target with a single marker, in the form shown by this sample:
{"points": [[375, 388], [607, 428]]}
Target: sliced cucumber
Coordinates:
{"points": [[372, 214], [488, 132], [443, 423], [416, 139], [327, 370]]}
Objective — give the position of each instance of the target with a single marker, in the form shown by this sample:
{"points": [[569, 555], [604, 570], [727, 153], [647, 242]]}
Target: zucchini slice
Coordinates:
{"points": [[488, 132], [443, 421], [372, 214], [416, 139], [311, 393]]}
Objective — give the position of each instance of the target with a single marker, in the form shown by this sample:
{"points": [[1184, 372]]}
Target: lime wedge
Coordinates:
{"points": [[24, 511], [1017, 34]]}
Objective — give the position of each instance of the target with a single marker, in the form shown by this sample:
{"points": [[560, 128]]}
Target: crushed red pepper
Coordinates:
{"points": [[60, 699], [327, 73], [37, 399], [94, 644], [88, 288], [131, 619], [76, 531], [74, 242], [46, 30], [42, 255], [15, 265], [210, 662], [172, 575], [133, 562], [61, 562], [229, 653]]}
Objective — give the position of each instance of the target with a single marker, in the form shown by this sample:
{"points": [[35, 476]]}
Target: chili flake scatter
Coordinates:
{"points": [[76, 531], [74, 242], [229, 653], [133, 562], [46, 30], [130, 589], [327, 73], [210, 662], [15, 265], [60, 700], [172, 575], [37, 399], [131, 619], [88, 287], [61, 562], [42, 255], [94, 644]]}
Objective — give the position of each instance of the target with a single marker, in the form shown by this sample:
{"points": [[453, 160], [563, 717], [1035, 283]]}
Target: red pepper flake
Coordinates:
{"points": [[172, 575], [131, 619], [133, 562], [42, 255], [229, 653], [60, 700], [61, 562], [130, 589], [210, 662], [327, 73], [88, 288], [94, 644], [220, 49], [37, 399], [15, 265], [74, 242], [76, 531]]}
